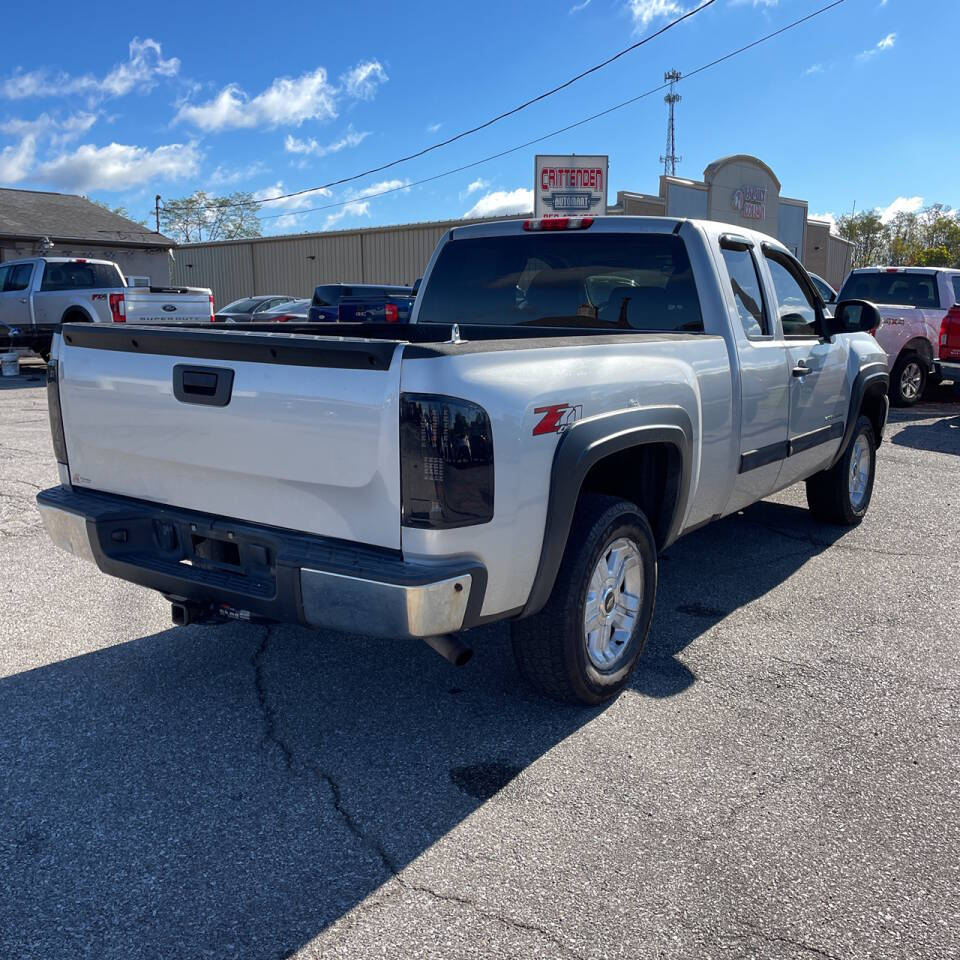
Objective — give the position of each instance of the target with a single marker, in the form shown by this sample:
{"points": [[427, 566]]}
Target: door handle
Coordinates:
{"points": [[23, 299], [801, 369]]}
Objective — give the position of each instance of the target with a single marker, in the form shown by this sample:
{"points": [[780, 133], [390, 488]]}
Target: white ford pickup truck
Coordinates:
{"points": [[571, 397], [38, 294]]}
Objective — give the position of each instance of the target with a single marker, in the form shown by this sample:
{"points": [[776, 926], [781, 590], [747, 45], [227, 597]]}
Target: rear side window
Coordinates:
{"points": [[80, 276], [330, 295], [902, 289], [956, 289], [15, 277], [569, 280], [747, 292]]}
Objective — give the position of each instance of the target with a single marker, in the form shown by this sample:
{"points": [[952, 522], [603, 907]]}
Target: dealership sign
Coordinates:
{"points": [[567, 186], [750, 202]]}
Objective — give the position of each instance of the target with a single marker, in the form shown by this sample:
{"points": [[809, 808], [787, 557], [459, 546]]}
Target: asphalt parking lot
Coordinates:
{"points": [[781, 781]]}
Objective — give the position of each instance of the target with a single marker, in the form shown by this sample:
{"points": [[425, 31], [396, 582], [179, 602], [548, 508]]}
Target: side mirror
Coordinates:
{"points": [[853, 316]]}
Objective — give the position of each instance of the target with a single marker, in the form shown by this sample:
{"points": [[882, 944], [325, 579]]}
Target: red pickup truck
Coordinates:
{"points": [[950, 345]]}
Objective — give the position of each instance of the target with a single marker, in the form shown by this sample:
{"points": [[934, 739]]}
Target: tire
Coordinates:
{"points": [[908, 380], [554, 650], [834, 496]]}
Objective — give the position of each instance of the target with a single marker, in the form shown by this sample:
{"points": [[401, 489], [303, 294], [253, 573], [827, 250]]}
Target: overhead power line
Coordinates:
{"points": [[492, 120], [570, 126]]}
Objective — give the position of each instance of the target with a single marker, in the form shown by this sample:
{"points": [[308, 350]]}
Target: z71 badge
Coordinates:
{"points": [[556, 418]]}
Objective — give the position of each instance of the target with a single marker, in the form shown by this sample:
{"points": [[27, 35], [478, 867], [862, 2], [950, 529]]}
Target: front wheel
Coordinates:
{"points": [[842, 493], [583, 646], [908, 380]]}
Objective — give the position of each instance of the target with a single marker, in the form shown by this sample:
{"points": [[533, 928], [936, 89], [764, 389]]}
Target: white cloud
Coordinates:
{"points": [[119, 166], [476, 185], [60, 131], [812, 69], [644, 12], [502, 202], [224, 176], [885, 44], [351, 138], [287, 101], [828, 217], [16, 161], [900, 205], [433, 127], [577, 7], [287, 203], [754, 3], [362, 81], [377, 188], [140, 72], [354, 209]]}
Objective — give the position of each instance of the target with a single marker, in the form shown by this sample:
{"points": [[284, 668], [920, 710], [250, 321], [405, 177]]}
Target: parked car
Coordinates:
{"points": [[827, 293], [949, 344], [247, 309], [290, 311], [572, 396], [912, 302], [361, 303], [39, 293]]}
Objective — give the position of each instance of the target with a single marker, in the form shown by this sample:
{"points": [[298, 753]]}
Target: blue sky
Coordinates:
{"points": [[851, 107]]}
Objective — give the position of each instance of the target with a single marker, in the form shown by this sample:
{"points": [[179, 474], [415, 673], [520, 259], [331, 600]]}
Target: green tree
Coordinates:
{"points": [[932, 257], [869, 236], [903, 242], [202, 217]]}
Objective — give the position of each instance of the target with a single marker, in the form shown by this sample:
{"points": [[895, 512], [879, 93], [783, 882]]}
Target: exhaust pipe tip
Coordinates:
{"points": [[452, 649]]}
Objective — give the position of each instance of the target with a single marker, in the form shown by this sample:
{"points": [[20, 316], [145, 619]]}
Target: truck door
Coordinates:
{"points": [[818, 398], [763, 375], [15, 294]]}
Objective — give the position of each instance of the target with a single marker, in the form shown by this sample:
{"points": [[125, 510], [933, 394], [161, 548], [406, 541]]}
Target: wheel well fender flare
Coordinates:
{"points": [[75, 314], [872, 380], [584, 445], [918, 345]]}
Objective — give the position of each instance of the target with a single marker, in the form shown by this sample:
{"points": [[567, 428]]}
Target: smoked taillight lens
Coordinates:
{"points": [[118, 308], [446, 462], [53, 408]]}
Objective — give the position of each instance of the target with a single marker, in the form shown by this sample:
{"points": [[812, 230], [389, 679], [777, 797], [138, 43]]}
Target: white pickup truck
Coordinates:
{"points": [[38, 294], [571, 397]]}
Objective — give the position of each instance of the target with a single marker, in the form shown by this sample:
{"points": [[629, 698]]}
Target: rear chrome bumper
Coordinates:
{"points": [[313, 581]]}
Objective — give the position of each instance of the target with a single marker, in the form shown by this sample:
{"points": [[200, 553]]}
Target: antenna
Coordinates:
{"points": [[670, 158]]}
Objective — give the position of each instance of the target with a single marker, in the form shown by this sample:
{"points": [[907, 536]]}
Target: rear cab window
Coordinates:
{"points": [[956, 289], [630, 281], [78, 275], [901, 288]]}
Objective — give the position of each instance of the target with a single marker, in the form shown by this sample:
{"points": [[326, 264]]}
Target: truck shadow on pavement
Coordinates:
{"points": [[29, 377], [940, 436], [234, 790]]}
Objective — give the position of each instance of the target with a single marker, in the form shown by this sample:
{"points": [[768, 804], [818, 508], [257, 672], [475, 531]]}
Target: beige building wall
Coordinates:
{"points": [[731, 176]]}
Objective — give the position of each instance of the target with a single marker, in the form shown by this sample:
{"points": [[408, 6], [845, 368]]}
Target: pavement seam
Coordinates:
{"points": [[758, 933]]}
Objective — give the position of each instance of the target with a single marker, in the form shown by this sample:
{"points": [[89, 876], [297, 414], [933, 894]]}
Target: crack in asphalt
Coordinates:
{"points": [[836, 544], [271, 736], [773, 938]]}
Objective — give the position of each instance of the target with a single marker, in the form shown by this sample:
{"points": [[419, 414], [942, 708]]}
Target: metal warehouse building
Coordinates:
{"points": [[738, 189]]}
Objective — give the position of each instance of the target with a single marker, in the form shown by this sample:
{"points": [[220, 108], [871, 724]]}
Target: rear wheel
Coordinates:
{"points": [[908, 380], [583, 646], [842, 493]]}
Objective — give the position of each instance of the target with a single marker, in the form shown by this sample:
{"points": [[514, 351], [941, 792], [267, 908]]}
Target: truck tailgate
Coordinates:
{"points": [[307, 438]]}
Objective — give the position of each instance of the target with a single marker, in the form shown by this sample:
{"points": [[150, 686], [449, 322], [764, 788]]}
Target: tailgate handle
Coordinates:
{"points": [[212, 386]]}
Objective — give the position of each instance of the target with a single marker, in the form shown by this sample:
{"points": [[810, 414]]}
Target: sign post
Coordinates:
{"points": [[572, 186]]}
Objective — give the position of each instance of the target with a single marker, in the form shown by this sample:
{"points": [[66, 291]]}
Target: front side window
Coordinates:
{"points": [[798, 312], [570, 280], [747, 293], [956, 289]]}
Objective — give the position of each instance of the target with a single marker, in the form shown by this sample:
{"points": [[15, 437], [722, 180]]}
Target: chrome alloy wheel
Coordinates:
{"points": [[859, 471], [910, 378], [613, 604]]}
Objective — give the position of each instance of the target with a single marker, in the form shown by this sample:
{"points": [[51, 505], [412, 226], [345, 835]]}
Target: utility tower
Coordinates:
{"points": [[670, 158]]}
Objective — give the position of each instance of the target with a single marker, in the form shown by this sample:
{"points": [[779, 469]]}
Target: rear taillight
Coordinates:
{"points": [[118, 308], [212, 311], [56, 417], [558, 223], [446, 462], [944, 326], [390, 313]]}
